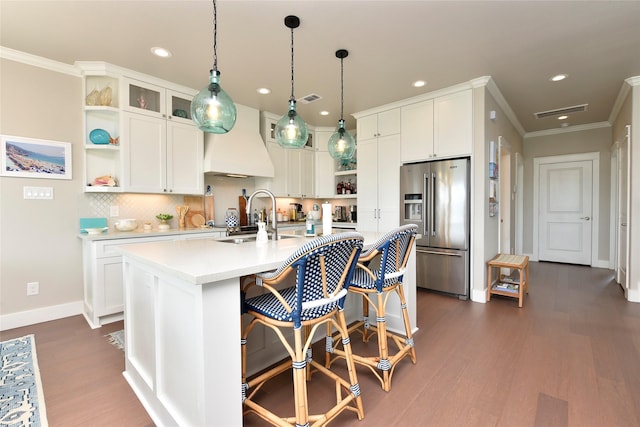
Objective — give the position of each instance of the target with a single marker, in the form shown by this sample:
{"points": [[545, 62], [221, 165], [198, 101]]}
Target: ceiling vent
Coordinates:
{"points": [[561, 111], [309, 98]]}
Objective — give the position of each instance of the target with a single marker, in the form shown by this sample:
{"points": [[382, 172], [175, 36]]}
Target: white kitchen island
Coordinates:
{"points": [[182, 324]]}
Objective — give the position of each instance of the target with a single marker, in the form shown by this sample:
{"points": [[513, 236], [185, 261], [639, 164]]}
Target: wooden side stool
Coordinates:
{"points": [[505, 285]]}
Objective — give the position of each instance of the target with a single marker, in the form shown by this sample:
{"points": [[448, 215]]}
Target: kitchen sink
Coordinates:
{"points": [[249, 238]]}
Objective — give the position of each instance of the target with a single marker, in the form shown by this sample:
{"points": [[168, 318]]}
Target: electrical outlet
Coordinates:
{"points": [[33, 288], [114, 211]]}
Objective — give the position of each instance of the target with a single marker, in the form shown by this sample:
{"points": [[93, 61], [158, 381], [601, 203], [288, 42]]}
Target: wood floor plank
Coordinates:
{"points": [[569, 357]]}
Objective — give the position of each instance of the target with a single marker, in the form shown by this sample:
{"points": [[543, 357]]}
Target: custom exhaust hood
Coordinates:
{"points": [[241, 152]]}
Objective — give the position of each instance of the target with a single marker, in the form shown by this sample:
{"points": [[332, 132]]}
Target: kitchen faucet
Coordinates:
{"points": [[274, 223]]}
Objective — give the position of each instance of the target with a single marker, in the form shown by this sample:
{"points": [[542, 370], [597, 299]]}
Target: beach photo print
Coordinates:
{"points": [[35, 158]]}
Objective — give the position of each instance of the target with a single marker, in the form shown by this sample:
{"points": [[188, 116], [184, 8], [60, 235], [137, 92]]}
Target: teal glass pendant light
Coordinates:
{"points": [[212, 109], [291, 131], [342, 145]]}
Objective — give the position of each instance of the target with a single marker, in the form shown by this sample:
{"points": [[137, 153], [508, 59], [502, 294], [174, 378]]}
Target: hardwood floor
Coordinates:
{"points": [[569, 357]]}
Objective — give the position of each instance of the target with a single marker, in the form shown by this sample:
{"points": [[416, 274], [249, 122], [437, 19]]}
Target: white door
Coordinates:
{"points": [[565, 212]]}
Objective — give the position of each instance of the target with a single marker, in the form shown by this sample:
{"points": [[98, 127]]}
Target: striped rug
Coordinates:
{"points": [[21, 395]]}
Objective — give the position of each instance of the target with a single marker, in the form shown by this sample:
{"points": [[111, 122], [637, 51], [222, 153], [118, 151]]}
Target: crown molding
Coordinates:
{"points": [[633, 81], [38, 61], [504, 105], [568, 129], [419, 98], [622, 96]]}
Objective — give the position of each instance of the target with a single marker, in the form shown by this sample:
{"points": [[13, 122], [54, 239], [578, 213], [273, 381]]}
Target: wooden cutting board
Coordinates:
{"points": [[196, 207], [242, 210], [209, 211]]}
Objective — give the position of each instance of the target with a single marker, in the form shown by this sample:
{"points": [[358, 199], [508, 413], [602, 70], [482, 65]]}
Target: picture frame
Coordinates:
{"points": [[35, 158]]}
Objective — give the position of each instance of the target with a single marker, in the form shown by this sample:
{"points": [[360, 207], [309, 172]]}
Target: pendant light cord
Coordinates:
{"points": [[215, 37], [341, 88], [292, 96]]}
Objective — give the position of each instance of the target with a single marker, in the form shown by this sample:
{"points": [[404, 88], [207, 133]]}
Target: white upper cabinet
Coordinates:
{"points": [[300, 172], [453, 124], [416, 141], [294, 169], [324, 166], [164, 149], [379, 124], [437, 128]]}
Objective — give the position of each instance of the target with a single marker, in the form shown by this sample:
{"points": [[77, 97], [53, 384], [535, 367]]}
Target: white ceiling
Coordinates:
{"points": [[521, 44]]}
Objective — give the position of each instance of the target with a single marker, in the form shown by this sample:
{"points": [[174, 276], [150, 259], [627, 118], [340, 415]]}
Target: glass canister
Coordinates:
{"points": [[232, 219]]}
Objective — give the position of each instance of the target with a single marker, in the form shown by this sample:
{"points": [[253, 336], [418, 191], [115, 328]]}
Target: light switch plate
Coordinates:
{"points": [[41, 193]]}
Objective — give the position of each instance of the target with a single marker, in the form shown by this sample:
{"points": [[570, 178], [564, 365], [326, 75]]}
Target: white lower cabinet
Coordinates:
{"points": [[103, 280]]}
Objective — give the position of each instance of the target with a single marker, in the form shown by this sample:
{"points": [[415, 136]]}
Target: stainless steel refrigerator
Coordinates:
{"points": [[435, 196]]}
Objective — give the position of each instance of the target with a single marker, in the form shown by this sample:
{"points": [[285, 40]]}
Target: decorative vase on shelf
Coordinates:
{"points": [[164, 226]]}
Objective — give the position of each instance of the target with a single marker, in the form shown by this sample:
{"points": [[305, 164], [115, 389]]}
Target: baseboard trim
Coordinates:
{"points": [[633, 295], [39, 315]]}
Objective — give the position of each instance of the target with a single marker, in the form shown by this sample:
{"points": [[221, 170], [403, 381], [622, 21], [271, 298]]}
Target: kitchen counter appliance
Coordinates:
{"points": [[435, 196]]}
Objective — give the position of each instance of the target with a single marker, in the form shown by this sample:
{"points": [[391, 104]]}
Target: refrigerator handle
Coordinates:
{"points": [[433, 208], [426, 206]]}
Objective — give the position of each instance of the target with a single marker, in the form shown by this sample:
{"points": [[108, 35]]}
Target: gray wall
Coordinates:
{"points": [[570, 142], [38, 237]]}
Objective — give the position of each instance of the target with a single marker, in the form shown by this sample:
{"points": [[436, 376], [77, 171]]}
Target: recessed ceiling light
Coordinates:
{"points": [[559, 77], [161, 52], [419, 83], [264, 91], [563, 117], [324, 113]]}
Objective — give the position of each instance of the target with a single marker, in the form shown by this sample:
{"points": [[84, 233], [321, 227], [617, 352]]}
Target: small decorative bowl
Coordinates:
{"points": [[180, 113], [95, 230], [126, 225], [99, 136]]}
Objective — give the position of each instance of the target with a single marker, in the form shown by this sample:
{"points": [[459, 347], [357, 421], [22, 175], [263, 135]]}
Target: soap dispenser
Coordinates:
{"points": [[262, 233], [311, 226]]}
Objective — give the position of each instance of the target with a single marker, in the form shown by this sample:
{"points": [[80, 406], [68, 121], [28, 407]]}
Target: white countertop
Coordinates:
{"points": [[112, 233], [202, 261]]}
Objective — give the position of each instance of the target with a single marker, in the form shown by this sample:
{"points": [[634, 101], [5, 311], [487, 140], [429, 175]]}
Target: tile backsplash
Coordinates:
{"points": [[143, 207]]}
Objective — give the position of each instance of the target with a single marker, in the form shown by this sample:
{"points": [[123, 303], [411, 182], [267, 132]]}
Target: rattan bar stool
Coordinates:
{"points": [[375, 283], [323, 269]]}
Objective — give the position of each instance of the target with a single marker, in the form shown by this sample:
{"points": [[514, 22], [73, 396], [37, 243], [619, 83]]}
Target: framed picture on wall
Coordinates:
{"points": [[34, 158]]}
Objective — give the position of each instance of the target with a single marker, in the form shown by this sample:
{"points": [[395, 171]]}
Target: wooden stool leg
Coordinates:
{"points": [[521, 287], [489, 280], [407, 324], [351, 367], [300, 380], [365, 319]]}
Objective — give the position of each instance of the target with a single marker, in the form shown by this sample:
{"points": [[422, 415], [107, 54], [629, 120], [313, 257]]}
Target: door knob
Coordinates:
{"points": [[586, 217]]}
